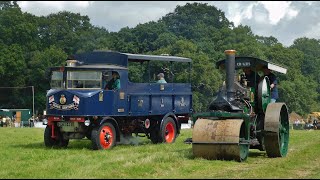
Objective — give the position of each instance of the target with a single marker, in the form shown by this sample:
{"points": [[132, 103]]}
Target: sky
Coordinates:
{"points": [[284, 20]]}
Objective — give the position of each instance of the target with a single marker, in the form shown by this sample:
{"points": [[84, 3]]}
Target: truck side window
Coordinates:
{"points": [[84, 79]]}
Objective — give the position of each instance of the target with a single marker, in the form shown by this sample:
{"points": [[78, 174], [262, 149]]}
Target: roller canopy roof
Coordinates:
{"points": [[254, 63], [121, 59]]}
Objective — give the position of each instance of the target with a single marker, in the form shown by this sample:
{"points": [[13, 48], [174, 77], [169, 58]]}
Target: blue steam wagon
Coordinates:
{"points": [[79, 105]]}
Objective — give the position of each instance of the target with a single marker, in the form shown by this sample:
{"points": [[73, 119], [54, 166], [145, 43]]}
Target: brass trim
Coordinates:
{"points": [[121, 95], [230, 52], [161, 87], [101, 96]]}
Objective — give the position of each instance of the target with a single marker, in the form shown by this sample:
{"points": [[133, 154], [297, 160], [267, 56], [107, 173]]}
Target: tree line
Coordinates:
{"points": [[30, 44]]}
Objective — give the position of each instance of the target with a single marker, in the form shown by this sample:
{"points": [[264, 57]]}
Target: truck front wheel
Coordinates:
{"points": [[103, 137], [58, 141]]}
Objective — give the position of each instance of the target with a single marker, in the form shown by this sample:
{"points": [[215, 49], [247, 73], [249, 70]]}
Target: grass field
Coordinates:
{"points": [[23, 155]]}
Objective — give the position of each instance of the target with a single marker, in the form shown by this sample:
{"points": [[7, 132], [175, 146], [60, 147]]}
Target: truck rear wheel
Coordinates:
{"points": [[104, 136], [168, 131]]}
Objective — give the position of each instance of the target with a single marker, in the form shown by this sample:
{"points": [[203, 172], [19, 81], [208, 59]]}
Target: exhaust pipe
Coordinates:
{"points": [[225, 100], [230, 72]]}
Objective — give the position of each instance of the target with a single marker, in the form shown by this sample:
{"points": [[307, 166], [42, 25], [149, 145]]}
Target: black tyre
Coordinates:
{"points": [[104, 136], [261, 147], [59, 141], [168, 131], [89, 132], [260, 136], [48, 141], [154, 136], [63, 143]]}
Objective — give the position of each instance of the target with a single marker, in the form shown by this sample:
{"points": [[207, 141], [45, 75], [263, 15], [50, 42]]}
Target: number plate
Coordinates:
{"points": [[68, 124]]}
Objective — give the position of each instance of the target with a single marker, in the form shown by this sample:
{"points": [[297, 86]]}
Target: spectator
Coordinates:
{"points": [[4, 121], [161, 78], [315, 123], [31, 121], [37, 118], [8, 120]]}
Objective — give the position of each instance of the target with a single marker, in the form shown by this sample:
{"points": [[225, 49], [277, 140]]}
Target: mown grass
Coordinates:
{"points": [[23, 155]]}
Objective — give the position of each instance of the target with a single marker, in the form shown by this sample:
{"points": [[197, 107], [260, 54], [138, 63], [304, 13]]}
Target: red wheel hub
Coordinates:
{"points": [[106, 137], [170, 132]]}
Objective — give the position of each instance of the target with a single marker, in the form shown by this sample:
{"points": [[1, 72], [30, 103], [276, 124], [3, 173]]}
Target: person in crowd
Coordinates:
{"points": [[31, 121], [161, 78]]}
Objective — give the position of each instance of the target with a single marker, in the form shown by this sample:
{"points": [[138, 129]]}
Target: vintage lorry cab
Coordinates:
{"points": [[79, 107]]}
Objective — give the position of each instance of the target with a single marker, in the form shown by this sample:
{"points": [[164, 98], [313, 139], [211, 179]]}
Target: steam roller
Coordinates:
{"points": [[241, 116]]}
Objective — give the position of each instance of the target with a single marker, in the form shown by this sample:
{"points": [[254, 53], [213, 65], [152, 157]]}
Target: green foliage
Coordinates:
{"points": [[268, 41], [18, 28], [12, 68], [64, 29], [12, 64], [4, 5], [185, 20], [290, 92], [138, 72], [37, 71], [310, 65], [29, 45]]}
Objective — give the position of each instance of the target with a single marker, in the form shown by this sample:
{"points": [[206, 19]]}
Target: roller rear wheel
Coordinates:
{"points": [[276, 130]]}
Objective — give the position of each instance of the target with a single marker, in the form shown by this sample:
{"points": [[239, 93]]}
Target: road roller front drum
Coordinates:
{"points": [[220, 139]]}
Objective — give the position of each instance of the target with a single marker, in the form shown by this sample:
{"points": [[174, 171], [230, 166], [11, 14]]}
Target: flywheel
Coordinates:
{"points": [[220, 139], [263, 94]]}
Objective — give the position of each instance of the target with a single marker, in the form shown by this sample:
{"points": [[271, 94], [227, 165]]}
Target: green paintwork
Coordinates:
{"points": [[219, 114], [260, 98], [284, 134]]}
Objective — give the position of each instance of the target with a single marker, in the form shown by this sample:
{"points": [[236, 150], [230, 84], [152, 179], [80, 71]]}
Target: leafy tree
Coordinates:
{"points": [[32, 44], [310, 66], [37, 71], [64, 30], [4, 5], [18, 28], [165, 39], [311, 61], [268, 41], [184, 20], [12, 74]]}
